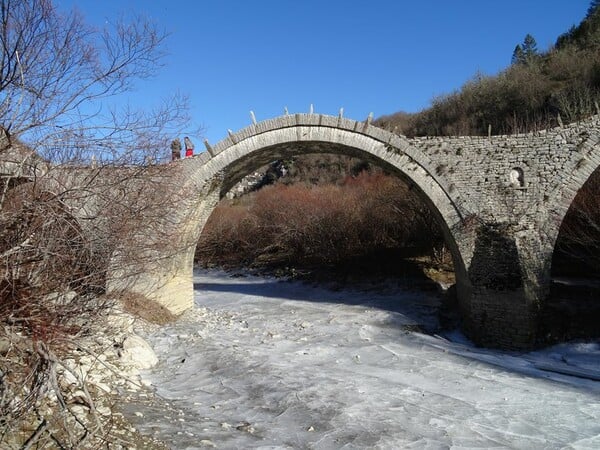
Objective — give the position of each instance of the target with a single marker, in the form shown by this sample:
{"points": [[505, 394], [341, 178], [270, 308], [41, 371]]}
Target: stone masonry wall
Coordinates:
{"points": [[552, 163], [524, 185]]}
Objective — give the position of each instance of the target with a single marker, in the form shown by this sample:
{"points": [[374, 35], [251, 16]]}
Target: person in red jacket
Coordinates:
{"points": [[189, 147]]}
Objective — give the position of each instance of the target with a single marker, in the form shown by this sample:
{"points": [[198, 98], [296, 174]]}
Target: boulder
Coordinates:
{"points": [[138, 353]]}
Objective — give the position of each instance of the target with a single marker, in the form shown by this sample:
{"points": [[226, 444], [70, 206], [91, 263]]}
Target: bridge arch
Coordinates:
{"points": [[583, 165], [571, 309], [209, 176]]}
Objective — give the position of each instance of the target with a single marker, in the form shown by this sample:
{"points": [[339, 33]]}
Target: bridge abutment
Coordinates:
{"points": [[168, 280]]}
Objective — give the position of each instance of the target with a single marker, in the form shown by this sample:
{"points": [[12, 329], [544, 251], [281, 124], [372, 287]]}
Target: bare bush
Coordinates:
{"points": [[59, 238], [303, 225]]}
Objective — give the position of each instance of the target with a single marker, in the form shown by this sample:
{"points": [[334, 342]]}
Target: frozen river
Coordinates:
{"points": [[281, 365]]}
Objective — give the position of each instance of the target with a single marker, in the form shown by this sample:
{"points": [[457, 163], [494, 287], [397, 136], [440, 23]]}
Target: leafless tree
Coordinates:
{"points": [[75, 186], [58, 73]]}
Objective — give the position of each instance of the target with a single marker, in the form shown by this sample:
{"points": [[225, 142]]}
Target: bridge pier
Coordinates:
{"points": [[502, 318], [509, 275]]}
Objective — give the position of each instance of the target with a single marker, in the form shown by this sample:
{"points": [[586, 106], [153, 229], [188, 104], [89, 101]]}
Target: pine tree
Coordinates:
{"points": [[527, 52], [530, 50], [518, 57], [592, 22], [593, 8], [586, 35]]}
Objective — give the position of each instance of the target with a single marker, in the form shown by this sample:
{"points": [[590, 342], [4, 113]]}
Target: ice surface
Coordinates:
{"points": [[281, 365]]}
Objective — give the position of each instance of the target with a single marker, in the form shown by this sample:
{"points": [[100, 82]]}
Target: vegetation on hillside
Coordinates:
{"points": [[529, 95]]}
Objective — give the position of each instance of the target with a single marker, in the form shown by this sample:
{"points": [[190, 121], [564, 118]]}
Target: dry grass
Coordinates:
{"points": [[146, 309]]}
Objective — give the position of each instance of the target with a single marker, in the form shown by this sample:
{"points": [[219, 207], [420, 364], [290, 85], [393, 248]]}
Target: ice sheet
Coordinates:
{"points": [[268, 364]]}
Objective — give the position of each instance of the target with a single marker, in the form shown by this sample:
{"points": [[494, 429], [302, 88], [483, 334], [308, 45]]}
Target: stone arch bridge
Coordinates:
{"points": [[500, 201]]}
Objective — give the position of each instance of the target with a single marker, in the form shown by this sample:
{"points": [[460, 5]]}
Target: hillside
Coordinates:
{"points": [[538, 90], [314, 211]]}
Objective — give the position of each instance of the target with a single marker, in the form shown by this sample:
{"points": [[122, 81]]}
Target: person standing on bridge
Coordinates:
{"points": [[175, 149], [189, 147]]}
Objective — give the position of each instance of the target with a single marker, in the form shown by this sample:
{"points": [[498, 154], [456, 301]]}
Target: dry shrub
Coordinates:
{"points": [[139, 305], [53, 275], [48, 271], [47, 300], [230, 234], [303, 225], [52, 279]]}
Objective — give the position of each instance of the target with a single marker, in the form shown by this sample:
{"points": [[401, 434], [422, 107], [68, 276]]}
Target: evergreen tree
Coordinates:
{"points": [[586, 35], [530, 50], [518, 57], [527, 52], [593, 8], [592, 25]]}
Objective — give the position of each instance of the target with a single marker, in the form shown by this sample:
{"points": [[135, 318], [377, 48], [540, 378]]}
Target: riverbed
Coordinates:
{"points": [[271, 364]]}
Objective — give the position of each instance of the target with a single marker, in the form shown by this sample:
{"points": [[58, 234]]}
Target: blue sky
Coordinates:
{"points": [[231, 57]]}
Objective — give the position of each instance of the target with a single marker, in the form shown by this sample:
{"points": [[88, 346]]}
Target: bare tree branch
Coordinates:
{"points": [[62, 222]]}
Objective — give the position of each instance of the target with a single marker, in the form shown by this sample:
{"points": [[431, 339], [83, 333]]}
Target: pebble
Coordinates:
{"points": [[245, 426], [103, 410]]}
